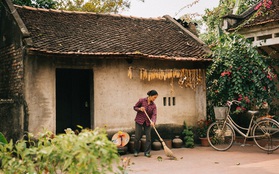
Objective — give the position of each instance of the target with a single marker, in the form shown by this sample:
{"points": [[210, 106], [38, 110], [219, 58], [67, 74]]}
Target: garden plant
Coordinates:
{"points": [[239, 72], [188, 136], [88, 152]]}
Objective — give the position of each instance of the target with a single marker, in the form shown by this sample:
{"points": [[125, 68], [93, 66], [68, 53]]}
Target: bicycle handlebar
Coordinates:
{"points": [[229, 103]]}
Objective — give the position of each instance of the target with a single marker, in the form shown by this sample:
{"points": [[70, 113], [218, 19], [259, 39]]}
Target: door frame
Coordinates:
{"points": [[91, 93]]}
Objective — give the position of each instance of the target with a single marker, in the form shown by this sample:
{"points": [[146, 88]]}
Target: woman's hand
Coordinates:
{"points": [[152, 123], [142, 109]]}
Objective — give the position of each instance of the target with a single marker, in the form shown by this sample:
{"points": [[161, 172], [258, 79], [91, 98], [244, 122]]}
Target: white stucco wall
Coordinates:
{"points": [[114, 95]]}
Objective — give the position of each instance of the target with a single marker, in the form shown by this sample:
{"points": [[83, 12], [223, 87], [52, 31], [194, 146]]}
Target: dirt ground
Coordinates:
{"points": [[206, 160]]}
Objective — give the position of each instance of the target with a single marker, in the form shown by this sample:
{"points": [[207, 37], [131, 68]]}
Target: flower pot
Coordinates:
{"points": [[177, 142], [204, 142], [143, 142], [131, 144], [122, 150], [156, 145], [168, 143]]}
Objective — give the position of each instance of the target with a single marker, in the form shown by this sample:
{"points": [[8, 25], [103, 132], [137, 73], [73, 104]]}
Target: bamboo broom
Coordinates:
{"points": [[167, 151]]}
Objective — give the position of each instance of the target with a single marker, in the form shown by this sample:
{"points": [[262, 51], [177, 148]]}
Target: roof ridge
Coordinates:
{"points": [[85, 12]]}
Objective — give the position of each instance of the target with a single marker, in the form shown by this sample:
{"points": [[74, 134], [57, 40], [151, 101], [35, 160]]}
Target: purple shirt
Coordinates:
{"points": [[151, 111]]}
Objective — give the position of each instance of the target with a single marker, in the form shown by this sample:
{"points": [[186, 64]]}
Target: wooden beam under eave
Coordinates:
{"points": [[266, 42]]}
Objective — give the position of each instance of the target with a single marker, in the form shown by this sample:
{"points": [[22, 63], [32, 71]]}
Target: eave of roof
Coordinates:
{"points": [[134, 55], [270, 15]]}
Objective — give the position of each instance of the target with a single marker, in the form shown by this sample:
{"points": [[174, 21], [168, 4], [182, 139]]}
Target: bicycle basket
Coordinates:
{"points": [[220, 112]]}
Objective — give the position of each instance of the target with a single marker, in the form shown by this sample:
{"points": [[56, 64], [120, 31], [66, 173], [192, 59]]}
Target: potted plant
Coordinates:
{"points": [[188, 136], [202, 127]]}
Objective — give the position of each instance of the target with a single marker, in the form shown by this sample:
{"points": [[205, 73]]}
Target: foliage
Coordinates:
{"points": [[188, 136], [23, 2], [239, 72], [48, 4], [202, 126], [214, 18], [3, 140], [88, 152], [99, 6]]}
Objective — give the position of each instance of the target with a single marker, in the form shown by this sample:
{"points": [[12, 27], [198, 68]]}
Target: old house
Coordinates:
{"points": [[60, 69]]}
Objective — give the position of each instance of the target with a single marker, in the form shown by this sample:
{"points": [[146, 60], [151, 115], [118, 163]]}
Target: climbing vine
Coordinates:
{"points": [[240, 73]]}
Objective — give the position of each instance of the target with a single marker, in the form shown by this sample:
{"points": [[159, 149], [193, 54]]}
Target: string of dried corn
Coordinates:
{"points": [[188, 78]]}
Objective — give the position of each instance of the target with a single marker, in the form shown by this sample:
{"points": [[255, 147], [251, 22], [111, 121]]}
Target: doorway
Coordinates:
{"points": [[73, 91]]}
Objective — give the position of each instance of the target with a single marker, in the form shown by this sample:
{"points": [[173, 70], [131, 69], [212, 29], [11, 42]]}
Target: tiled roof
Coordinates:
{"points": [[268, 15], [83, 33]]}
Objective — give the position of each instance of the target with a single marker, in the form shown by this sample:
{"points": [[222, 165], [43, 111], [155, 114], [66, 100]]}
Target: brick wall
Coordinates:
{"points": [[11, 72], [11, 92]]}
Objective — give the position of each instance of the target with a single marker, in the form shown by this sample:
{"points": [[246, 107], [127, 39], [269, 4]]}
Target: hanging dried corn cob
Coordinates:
{"points": [[148, 75], [161, 76], [145, 74], [177, 73], [171, 84], [141, 73], [169, 73], [130, 72], [165, 75], [189, 78]]}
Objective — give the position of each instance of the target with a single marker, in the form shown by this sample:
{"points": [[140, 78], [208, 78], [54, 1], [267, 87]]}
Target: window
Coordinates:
{"points": [[173, 101], [169, 101]]}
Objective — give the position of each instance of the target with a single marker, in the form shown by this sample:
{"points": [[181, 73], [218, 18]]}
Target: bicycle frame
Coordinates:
{"points": [[238, 128], [263, 130]]}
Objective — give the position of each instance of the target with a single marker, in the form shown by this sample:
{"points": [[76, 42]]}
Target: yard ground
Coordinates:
{"points": [[238, 159]]}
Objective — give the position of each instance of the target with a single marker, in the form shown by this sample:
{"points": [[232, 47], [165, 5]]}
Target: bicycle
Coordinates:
{"points": [[263, 130]]}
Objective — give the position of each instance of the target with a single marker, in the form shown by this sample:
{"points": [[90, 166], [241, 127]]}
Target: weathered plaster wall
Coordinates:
{"points": [[114, 94], [40, 93]]}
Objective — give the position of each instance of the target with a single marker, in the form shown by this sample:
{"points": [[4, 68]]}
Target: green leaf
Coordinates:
{"points": [[3, 140]]}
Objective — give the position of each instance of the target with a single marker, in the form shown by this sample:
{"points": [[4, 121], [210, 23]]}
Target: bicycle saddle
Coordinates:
{"points": [[253, 112]]}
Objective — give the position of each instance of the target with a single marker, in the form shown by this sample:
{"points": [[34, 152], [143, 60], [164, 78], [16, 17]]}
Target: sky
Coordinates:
{"points": [[159, 8]]}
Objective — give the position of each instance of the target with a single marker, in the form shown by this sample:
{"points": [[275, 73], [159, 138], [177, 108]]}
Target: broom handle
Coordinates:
{"points": [[154, 127]]}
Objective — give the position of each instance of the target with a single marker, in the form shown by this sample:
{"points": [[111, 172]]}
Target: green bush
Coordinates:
{"points": [[239, 72], [88, 152]]}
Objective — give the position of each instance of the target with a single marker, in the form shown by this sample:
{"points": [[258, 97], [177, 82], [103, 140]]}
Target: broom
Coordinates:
{"points": [[167, 151]]}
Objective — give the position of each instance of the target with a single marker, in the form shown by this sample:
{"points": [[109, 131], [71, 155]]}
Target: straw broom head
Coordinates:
{"points": [[168, 152]]}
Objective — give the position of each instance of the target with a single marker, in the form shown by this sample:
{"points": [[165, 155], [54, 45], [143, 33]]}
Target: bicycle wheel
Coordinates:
{"points": [[220, 136], [266, 135]]}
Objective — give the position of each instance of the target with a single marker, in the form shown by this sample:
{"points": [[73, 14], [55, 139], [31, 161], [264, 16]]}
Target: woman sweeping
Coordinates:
{"points": [[143, 123]]}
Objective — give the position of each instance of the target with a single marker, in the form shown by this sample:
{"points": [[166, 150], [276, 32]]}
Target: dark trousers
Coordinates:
{"points": [[138, 135]]}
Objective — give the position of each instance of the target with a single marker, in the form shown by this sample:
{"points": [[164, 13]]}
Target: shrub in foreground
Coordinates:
{"points": [[88, 152]]}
